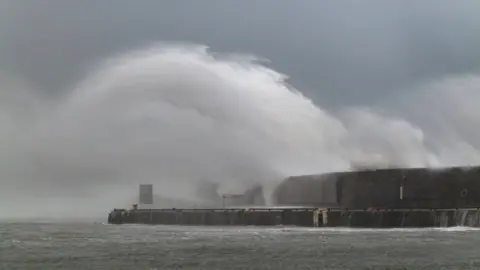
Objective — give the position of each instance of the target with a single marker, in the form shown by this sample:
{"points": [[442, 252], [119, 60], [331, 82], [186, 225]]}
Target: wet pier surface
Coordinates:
{"points": [[304, 217]]}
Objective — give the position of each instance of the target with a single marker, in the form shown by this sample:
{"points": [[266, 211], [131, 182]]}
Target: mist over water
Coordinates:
{"points": [[177, 115]]}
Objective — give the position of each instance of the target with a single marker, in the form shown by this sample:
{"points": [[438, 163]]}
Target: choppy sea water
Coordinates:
{"points": [[101, 246]]}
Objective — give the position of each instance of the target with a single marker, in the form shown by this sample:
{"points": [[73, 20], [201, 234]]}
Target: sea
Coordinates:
{"points": [[62, 245]]}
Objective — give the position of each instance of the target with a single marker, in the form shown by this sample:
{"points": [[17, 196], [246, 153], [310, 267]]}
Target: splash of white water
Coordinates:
{"points": [[173, 116]]}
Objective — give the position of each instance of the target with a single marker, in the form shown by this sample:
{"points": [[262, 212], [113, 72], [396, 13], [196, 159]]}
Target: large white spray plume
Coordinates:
{"points": [[177, 115]]}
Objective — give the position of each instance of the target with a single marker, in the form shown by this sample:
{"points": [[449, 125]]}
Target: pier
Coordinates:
{"points": [[302, 217], [376, 198]]}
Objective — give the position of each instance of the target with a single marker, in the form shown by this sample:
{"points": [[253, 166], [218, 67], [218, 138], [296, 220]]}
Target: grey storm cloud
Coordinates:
{"points": [[335, 51]]}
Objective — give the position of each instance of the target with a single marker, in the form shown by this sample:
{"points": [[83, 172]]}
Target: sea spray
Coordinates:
{"points": [[176, 116]]}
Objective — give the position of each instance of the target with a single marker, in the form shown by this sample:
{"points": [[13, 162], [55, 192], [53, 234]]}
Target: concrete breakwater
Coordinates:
{"points": [[304, 217]]}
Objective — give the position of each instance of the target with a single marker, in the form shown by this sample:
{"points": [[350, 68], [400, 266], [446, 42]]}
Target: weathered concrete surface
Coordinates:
{"points": [[400, 218], [259, 217], [386, 188], [311, 217]]}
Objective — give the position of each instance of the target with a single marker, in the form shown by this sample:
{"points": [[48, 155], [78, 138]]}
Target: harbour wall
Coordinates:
{"points": [[303, 217], [448, 188]]}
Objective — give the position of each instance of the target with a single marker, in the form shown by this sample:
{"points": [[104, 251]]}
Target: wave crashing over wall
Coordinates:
{"points": [[178, 116]]}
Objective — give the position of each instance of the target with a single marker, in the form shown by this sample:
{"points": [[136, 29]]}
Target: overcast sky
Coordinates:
{"points": [[337, 52]]}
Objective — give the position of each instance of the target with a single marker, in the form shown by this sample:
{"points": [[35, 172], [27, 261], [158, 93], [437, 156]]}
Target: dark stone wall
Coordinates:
{"points": [[308, 190], [452, 188], [309, 217], [387, 188], [364, 189]]}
